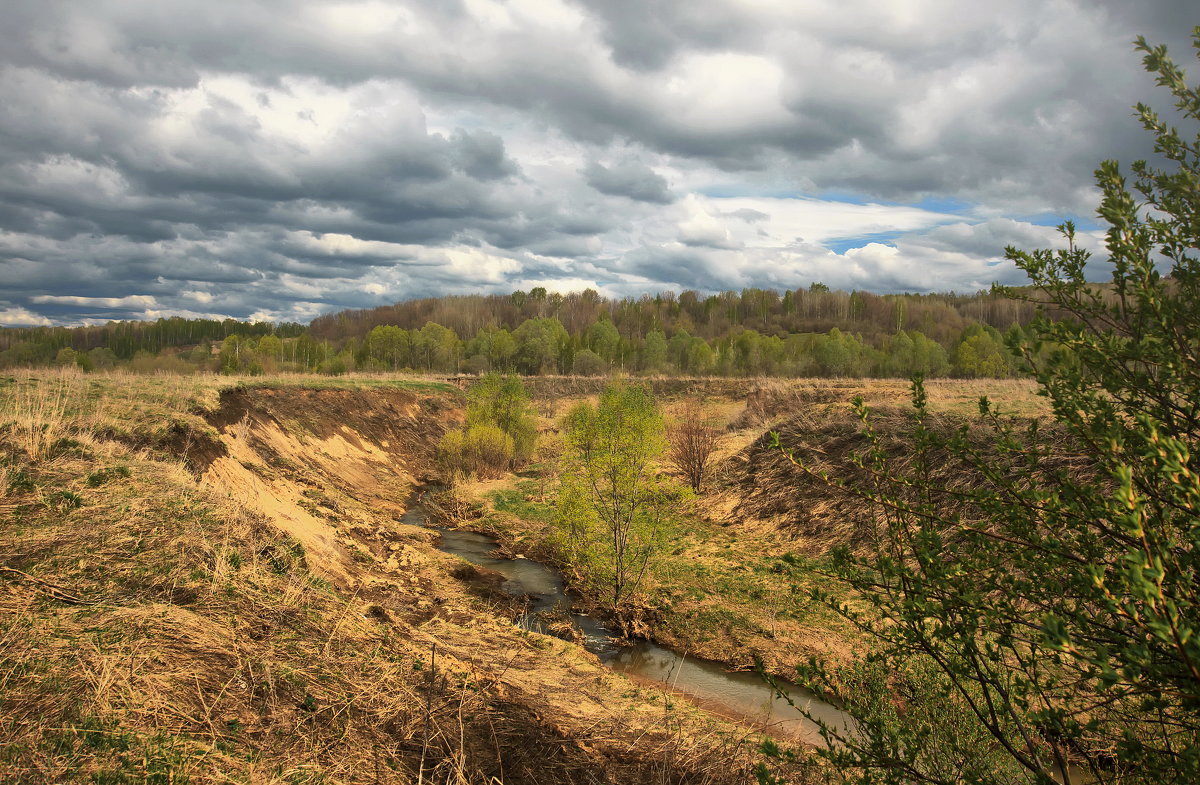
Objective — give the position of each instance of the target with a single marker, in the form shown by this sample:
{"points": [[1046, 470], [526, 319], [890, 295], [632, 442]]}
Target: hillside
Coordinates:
{"points": [[757, 332], [202, 583]]}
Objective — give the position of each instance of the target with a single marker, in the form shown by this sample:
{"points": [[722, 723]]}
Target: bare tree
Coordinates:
{"points": [[691, 443]]}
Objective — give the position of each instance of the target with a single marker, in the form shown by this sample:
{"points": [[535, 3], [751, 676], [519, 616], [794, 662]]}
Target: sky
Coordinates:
{"points": [[281, 159]]}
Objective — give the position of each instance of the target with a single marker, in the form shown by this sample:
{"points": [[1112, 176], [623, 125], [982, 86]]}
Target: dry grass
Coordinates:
{"points": [[36, 412], [154, 631], [151, 633], [774, 401]]}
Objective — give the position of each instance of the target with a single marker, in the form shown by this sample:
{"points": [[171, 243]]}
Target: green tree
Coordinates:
{"points": [[500, 433], [503, 401], [66, 356], [700, 357], [603, 339], [496, 346], [612, 506], [102, 358], [677, 349], [980, 352], [588, 363], [1050, 611], [750, 354], [839, 354], [270, 352], [438, 347], [388, 347], [231, 354], [654, 352], [929, 357], [540, 344], [911, 352]]}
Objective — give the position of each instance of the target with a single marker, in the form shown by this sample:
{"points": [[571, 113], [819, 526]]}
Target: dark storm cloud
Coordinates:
{"points": [[481, 155], [645, 36], [673, 263], [630, 178]]}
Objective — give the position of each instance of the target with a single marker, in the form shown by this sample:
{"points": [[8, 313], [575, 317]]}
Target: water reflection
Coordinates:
{"points": [[736, 694]]}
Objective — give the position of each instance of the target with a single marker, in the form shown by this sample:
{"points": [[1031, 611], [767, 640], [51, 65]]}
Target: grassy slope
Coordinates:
{"points": [[152, 631], [734, 584], [156, 630]]}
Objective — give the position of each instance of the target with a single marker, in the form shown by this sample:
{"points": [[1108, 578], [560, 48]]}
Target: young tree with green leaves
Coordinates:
{"points": [[1043, 624], [980, 352], [500, 433], [503, 401], [613, 506], [388, 347]]}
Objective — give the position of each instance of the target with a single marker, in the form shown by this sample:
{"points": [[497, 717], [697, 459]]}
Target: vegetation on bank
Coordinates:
{"points": [[1039, 623], [613, 507], [499, 435], [714, 591], [600, 504]]}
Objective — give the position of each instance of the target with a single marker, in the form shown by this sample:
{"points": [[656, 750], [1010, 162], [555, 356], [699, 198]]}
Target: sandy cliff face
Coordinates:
{"points": [[328, 467]]}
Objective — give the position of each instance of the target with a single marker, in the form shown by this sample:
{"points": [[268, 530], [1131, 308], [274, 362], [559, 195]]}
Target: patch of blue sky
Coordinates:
{"points": [[945, 204], [846, 197], [1082, 223], [735, 191], [934, 204]]}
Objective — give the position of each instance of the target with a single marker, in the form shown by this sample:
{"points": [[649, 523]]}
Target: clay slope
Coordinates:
{"points": [[327, 466], [336, 470], [776, 481]]}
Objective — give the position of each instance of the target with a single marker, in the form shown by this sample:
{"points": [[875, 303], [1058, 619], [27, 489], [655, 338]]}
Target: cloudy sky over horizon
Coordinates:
{"points": [[286, 158]]}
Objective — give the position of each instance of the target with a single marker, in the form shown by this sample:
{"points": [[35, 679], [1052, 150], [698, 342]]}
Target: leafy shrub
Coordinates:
{"points": [[500, 433]]}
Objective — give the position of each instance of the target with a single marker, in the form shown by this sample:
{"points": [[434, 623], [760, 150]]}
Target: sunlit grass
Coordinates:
{"points": [[43, 406]]}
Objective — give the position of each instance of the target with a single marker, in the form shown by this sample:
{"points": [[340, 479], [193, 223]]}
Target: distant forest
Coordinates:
{"points": [[757, 332]]}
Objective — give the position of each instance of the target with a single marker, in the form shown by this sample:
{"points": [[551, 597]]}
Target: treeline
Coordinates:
{"points": [[543, 345], [818, 309], [34, 346], [814, 332]]}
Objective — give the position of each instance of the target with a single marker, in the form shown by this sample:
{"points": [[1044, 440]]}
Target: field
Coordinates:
{"points": [[206, 579]]}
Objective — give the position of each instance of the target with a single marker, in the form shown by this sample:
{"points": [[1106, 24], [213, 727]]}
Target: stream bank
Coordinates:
{"points": [[336, 470], [739, 695]]}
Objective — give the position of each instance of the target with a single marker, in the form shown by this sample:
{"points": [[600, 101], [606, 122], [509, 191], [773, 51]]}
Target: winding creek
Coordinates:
{"points": [[735, 694]]}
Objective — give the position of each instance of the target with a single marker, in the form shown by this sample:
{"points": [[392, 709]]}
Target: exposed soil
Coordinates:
{"points": [[805, 477], [335, 470]]}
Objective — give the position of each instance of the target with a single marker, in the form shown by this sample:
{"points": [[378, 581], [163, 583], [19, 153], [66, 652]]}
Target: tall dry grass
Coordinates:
{"points": [[36, 408]]}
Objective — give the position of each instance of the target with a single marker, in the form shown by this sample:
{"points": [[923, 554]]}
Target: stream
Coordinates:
{"points": [[740, 695]]}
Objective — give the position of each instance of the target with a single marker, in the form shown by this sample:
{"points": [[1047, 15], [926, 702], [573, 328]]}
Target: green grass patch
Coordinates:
{"points": [[515, 501], [358, 382]]}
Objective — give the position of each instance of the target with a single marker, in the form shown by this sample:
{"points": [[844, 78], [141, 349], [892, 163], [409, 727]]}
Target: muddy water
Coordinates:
{"points": [[734, 694]]}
